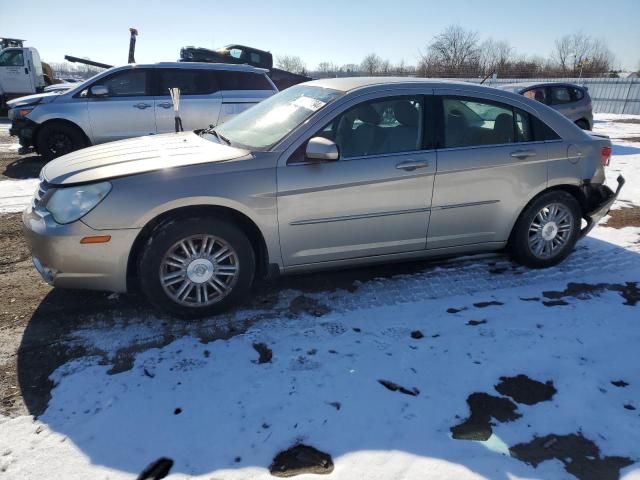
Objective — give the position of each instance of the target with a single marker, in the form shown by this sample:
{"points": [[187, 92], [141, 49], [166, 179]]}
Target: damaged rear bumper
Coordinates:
{"points": [[602, 207]]}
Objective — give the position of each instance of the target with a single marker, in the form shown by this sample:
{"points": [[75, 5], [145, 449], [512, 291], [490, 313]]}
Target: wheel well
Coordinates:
{"points": [[574, 191], [250, 229], [584, 120], [63, 121]]}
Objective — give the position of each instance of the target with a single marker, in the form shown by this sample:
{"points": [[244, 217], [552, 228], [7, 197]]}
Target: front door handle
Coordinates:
{"points": [[141, 106], [165, 105], [522, 154], [412, 165]]}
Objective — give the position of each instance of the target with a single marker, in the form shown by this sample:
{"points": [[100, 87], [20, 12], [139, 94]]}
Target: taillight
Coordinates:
{"points": [[605, 156]]}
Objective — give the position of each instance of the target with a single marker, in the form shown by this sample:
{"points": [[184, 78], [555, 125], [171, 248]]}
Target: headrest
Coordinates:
{"points": [[367, 114], [406, 113]]}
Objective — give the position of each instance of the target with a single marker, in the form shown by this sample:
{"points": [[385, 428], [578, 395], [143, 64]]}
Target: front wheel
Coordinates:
{"points": [[547, 230], [196, 267], [57, 139]]}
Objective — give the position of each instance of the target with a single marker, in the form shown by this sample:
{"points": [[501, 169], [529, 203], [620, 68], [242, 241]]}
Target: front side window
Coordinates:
{"points": [[378, 127], [190, 82], [268, 122], [560, 95], [12, 58], [474, 122], [539, 94], [129, 83]]}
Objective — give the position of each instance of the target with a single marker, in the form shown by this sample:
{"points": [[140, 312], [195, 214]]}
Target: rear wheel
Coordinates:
{"points": [[57, 139], [196, 267], [547, 230]]}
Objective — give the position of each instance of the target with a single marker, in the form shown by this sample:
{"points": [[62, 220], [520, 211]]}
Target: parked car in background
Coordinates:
{"points": [[329, 173], [572, 101], [132, 101]]}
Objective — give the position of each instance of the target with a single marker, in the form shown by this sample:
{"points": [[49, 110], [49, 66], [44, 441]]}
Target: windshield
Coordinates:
{"points": [[264, 125]]}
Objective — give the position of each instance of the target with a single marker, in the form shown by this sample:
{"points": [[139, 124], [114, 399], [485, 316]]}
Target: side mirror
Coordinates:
{"points": [[322, 149], [99, 91]]}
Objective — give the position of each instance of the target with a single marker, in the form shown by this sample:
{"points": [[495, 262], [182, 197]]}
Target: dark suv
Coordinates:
{"points": [[573, 101]]}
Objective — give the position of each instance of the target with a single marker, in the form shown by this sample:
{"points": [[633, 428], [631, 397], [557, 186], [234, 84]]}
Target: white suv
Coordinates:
{"points": [[132, 101]]}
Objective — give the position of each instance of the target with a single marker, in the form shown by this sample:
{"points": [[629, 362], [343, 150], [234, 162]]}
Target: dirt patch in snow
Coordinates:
{"points": [[584, 291], [580, 456], [522, 389], [301, 459], [394, 387], [483, 408], [627, 120], [624, 217], [265, 352]]}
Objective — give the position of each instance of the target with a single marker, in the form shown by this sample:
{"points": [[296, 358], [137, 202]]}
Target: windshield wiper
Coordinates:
{"points": [[212, 131]]}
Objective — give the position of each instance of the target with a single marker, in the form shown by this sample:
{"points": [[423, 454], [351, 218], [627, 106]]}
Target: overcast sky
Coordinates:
{"points": [[342, 31]]}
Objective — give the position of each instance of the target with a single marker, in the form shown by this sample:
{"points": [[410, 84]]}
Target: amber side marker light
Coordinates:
{"points": [[96, 239]]}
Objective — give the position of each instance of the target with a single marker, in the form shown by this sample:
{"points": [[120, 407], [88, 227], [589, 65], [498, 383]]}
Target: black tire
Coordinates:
{"points": [[520, 245], [56, 139], [166, 237], [583, 124]]}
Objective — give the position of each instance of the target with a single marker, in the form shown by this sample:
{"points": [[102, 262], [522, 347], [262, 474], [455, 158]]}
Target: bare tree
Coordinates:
{"points": [[453, 52], [349, 69], [291, 63], [327, 69], [495, 56], [371, 64], [578, 54]]}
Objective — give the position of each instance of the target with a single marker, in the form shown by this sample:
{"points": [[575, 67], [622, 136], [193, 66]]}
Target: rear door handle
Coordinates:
{"points": [[522, 154], [164, 105], [142, 106], [412, 165]]}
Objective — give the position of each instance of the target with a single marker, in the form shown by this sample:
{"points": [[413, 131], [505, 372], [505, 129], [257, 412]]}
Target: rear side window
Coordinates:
{"points": [[473, 122], [560, 95], [190, 82], [128, 83], [524, 132], [541, 131], [230, 80], [577, 94]]}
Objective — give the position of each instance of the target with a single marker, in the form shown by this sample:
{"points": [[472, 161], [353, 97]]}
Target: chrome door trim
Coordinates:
{"points": [[313, 221], [358, 216], [469, 204]]}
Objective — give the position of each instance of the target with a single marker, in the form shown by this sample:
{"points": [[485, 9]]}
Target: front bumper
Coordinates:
{"points": [[63, 261], [603, 205], [24, 129]]}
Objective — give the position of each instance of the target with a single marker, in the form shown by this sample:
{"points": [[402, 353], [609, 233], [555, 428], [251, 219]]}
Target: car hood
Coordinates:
{"points": [[38, 98], [136, 155]]}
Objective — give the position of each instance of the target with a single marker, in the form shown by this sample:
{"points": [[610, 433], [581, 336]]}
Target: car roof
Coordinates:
{"points": [[347, 84], [197, 65], [523, 85]]}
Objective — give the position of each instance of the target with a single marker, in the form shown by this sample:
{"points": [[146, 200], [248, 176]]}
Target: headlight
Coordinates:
{"points": [[23, 112], [72, 203]]}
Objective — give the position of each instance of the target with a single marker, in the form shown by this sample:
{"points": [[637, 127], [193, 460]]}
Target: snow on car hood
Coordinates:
{"points": [[136, 155]]}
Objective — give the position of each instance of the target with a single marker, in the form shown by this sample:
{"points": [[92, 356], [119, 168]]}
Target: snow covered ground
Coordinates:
{"points": [[433, 338]]}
